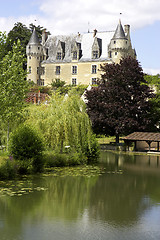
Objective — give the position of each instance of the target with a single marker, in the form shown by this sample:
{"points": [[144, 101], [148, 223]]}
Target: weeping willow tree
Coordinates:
{"points": [[65, 124]]}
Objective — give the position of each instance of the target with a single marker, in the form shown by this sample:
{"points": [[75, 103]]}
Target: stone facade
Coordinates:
{"points": [[76, 59]]}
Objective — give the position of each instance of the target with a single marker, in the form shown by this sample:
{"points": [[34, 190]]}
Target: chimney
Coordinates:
{"points": [[127, 29], [44, 36], [95, 32]]}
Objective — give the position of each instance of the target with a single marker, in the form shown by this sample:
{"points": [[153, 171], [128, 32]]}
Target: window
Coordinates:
{"points": [[58, 69], [74, 55], [114, 42], [74, 69], [94, 68], [115, 53], [30, 57], [37, 70], [59, 55], [38, 48], [40, 82], [42, 70], [29, 69], [74, 81], [95, 54], [94, 81]]}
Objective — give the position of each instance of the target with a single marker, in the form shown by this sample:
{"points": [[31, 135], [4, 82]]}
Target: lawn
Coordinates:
{"points": [[107, 140]]}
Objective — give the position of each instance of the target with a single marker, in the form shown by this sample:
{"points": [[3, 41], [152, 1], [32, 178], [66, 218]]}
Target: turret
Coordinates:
{"points": [[34, 51], [120, 45]]}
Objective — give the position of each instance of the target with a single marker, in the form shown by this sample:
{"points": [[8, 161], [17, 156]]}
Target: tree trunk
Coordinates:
{"points": [[117, 138], [8, 135]]}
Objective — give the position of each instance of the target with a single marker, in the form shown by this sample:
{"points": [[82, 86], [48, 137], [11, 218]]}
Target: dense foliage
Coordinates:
{"points": [[25, 145], [13, 84], [65, 126], [120, 104], [153, 81]]}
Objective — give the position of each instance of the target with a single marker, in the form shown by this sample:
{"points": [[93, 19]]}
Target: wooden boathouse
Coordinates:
{"points": [[143, 141]]}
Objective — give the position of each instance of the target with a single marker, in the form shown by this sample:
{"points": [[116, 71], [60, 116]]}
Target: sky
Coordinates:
{"points": [[73, 16]]}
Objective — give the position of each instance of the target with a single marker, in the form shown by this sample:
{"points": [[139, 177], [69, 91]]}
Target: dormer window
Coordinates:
{"points": [[76, 51], [60, 51], [96, 48], [95, 54], [74, 55], [59, 56]]}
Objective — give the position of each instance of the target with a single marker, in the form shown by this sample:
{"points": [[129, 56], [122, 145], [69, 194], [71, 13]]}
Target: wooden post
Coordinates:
{"points": [[149, 143], [135, 146]]}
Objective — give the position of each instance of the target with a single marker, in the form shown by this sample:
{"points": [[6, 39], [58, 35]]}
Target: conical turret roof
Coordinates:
{"points": [[119, 33], [34, 38]]}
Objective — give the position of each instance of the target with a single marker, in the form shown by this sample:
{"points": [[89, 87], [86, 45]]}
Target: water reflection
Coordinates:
{"points": [[110, 206]]}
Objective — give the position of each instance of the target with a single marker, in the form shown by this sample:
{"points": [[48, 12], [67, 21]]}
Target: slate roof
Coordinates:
{"points": [[143, 136], [34, 38], [119, 33], [86, 41]]}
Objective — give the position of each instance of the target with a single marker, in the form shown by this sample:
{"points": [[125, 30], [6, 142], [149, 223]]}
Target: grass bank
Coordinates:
{"points": [[107, 140], [11, 169]]}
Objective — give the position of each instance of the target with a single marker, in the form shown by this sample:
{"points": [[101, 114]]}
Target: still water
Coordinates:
{"points": [[121, 203]]}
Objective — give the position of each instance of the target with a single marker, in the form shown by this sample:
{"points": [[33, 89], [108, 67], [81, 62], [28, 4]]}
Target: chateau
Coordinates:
{"points": [[76, 59]]}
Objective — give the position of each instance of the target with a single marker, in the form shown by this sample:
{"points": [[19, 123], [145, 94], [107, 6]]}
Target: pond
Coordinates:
{"points": [[117, 200]]}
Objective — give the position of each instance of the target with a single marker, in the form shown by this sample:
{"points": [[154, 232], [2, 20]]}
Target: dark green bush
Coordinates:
{"points": [[53, 159], [25, 145], [8, 170], [24, 167], [93, 152]]}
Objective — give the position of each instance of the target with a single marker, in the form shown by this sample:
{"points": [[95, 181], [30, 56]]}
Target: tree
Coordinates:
{"points": [[120, 104], [21, 33], [38, 28], [154, 82], [13, 84], [26, 144], [64, 122], [3, 38]]}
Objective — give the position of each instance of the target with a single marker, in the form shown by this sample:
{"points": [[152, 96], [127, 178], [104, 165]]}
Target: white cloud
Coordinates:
{"points": [[151, 71], [64, 16], [72, 16]]}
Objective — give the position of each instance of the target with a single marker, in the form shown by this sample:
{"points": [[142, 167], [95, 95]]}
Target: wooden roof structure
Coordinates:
{"points": [[143, 136], [148, 137]]}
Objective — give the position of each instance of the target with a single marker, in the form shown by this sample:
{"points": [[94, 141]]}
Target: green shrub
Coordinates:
{"points": [[93, 152], [24, 167], [8, 170], [26, 145], [53, 159]]}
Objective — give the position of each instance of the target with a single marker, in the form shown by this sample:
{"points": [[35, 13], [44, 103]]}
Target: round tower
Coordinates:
{"points": [[34, 51], [119, 44]]}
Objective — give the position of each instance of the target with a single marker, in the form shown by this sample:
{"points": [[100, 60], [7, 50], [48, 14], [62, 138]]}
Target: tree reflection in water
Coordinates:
{"points": [[114, 199]]}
